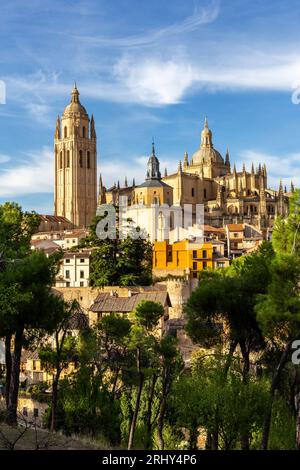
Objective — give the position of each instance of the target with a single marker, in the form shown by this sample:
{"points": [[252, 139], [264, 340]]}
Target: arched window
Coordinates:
{"points": [[204, 193], [80, 159], [193, 192], [68, 159], [88, 157], [83, 132], [60, 160], [65, 132]]}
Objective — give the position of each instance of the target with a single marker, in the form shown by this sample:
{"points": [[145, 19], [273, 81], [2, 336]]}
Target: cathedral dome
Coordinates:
{"points": [[75, 107], [206, 153]]}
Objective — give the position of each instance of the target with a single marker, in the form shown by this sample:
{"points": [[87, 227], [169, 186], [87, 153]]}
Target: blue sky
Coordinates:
{"points": [[148, 69]]}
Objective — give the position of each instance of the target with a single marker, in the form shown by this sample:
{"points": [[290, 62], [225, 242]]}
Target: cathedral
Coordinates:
{"points": [[227, 195]]}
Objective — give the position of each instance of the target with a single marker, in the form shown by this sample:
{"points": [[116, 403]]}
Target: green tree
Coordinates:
{"points": [[16, 230], [144, 342], [34, 312], [121, 260], [278, 312], [60, 349], [286, 231]]}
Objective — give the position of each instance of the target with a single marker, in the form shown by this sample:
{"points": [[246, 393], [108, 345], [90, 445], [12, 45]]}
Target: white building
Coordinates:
{"points": [[74, 270]]}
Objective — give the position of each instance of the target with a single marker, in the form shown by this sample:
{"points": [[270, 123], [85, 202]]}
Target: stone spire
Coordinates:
{"points": [[244, 168], [206, 136], [166, 172], [75, 94], [153, 172], [252, 169], [133, 183], [186, 160], [292, 187], [280, 191], [101, 193], [93, 131], [179, 167], [126, 182], [57, 130], [265, 170], [227, 161], [100, 184]]}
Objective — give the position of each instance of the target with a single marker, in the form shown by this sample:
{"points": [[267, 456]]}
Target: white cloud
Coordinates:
{"points": [[154, 82], [35, 174], [4, 158], [285, 167], [200, 16]]}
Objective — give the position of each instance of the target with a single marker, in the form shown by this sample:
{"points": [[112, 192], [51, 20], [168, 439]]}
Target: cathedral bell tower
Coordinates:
{"points": [[75, 148]]}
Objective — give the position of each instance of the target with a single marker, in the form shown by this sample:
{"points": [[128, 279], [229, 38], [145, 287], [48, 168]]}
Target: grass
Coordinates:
{"points": [[33, 439]]}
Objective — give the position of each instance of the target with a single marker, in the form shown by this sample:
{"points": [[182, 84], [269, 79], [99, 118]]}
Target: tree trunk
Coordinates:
{"points": [[15, 379], [54, 402], [138, 401], [194, 437], [163, 406], [232, 348], [8, 362], [297, 407], [149, 412], [215, 439], [245, 437], [274, 385]]}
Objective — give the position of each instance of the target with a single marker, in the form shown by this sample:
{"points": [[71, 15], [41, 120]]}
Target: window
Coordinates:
{"points": [[83, 132], [170, 256], [60, 160], [81, 260], [67, 274], [34, 365], [68, 159], [36, 412], [65, 132], [81, 274], [220, 264], [194, 253], [81, 284], [235, 235], [195, 275], [80, 159], [204, 264], [67, 284], [204, 193], [193, 192], [68, 260], [195, 266], [88, 160], [204, 254]]}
